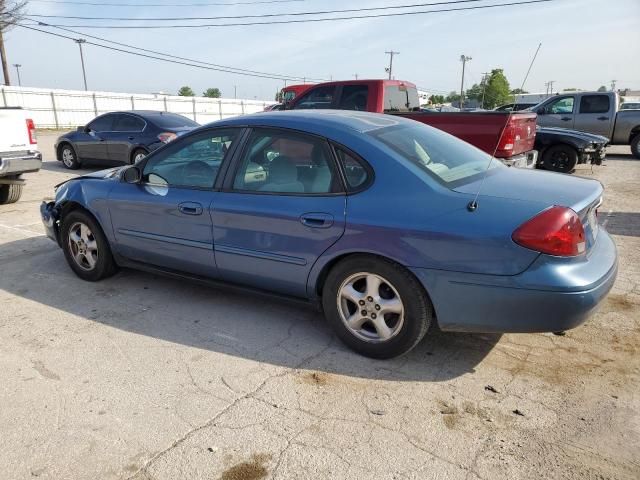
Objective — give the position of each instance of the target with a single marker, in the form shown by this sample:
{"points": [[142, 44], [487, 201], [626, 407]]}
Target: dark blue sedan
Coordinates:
{"points": [[120, 137], [369, 216]]}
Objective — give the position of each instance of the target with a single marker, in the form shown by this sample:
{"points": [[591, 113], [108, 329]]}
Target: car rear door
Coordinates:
{"points": [[282, 205], [92, 145], [164, 220], [558, 113], [595, 115], [127, 132]]}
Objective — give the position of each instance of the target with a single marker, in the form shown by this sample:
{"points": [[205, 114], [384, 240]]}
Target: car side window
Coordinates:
{"points": [[560, 106], [354, 97], [128, 123], [594, 104], [193, 163], [316, 98], [356, 173], [278, 161], [102, 124]]}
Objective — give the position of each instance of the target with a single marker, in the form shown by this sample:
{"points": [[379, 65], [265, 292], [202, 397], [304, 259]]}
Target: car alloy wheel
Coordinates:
{"points": [[370, 307], [139, 156], [83, 246], [67, 157]]}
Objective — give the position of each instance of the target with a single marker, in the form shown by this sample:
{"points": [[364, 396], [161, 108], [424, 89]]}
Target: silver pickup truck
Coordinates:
{"points": [[18, 152], [592, 112]]}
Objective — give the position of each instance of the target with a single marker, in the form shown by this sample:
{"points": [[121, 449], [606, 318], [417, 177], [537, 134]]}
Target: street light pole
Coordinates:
{"points": [[464, 59], [391, 54], [80, 41], [17, 65]]}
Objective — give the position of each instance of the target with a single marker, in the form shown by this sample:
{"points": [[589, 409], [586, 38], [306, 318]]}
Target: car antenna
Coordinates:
{"points": [[473, 204]]}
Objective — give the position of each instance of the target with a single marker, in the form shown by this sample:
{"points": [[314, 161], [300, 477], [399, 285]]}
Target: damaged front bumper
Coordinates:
{"points": [[50, 219]]}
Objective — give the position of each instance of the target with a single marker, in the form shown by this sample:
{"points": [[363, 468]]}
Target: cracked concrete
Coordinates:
{"points": [[145, 378]]}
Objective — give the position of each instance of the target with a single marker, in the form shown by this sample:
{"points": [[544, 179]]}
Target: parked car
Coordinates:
{"points": [[368, 215], [560, 149], [509, 136], [592, 112], [630, 106], [290, 92], [18, 152], [514, 107], [120, 137], [273, 107]]}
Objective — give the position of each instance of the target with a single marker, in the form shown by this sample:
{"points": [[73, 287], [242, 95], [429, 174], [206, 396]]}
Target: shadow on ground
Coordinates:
{"points": [[621, 223], [228, 322]]}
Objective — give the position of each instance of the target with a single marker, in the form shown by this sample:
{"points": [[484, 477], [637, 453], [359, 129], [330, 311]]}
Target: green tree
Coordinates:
{"points": [[212, 93], [496, 89], [474, 93], [602, 88], [186, 92], [436, 99], [453, 97]]}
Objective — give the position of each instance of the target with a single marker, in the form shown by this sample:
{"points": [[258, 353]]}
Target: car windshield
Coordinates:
{"points": [[450, 161], [172, 120]]}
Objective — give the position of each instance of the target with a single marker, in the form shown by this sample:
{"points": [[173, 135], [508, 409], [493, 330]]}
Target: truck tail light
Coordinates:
{"points": [[31, 129], [508, 138], [166, 137], [556, 231]]}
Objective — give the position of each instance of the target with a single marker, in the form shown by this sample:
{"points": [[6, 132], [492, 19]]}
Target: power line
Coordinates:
{"points": [[262, 15], [225, 68], [309, 20], [189, 64], [144, 5]]}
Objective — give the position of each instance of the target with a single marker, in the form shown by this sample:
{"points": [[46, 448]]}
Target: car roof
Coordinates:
{"points": [[144, 113], [313, 119]]}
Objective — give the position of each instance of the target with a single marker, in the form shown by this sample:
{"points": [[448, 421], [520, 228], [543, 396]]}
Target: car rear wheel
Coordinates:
{"points": [[69, 158], [138, 155], [10, 193], [560, 158], [635, 146], [86, 248], [376, 307]]}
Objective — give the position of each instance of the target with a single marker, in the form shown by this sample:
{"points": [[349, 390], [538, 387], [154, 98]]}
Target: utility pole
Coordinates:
{"points": [[3, 58], [355, 75], [484, 85], [80, 41], [235, 91], [17, 65], [390, 69], [464, 59], [549, 87], [613, 85]]}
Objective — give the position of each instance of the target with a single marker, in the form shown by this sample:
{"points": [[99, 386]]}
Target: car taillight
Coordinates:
{"points": [[31, 129], [166, 137], [556, 231], [508, 138]]}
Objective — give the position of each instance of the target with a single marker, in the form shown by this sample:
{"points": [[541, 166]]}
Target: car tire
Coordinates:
{"points": [[10, 193], [635, 146], [137, 155], [560, 158], [85, 247], [359, 288], [68, 157]]}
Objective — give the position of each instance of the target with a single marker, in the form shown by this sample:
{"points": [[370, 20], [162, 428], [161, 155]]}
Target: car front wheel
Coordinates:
{"points": [[376, 307]]}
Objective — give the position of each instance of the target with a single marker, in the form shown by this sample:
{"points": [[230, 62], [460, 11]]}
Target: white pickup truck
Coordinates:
{"points": [[18, 152]]}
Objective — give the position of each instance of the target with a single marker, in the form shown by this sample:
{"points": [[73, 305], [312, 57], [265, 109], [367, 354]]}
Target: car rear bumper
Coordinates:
{"points": [[522, 160], [553, 294], [11, 164]]}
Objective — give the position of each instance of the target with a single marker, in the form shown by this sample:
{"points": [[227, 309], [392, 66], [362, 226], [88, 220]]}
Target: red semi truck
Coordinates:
{"points": [[510, 135]]}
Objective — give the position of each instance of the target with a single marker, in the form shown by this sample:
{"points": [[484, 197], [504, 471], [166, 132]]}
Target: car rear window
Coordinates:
{"points": [[594, 104], [400, 98], [172, 120], [443, 157]]}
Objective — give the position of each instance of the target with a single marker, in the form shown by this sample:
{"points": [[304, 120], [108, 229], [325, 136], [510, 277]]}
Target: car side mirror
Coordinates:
{"points": [[85, 129], [542, 111], [132, 175]]}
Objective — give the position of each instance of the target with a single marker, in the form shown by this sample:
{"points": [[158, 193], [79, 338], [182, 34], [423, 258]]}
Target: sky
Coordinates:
{"points": [[585, 44]]}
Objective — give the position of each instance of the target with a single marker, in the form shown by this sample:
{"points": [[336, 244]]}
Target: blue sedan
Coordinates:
{"points": [[373, 218]]}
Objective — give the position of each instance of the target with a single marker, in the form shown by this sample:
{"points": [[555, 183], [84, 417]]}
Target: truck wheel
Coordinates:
{"points": [[375, 306], [635, 146], [10, 193], [560, 158], [68, 157], [85, 247]]}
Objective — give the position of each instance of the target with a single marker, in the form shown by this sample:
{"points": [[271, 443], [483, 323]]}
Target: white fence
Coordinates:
{"points": [[69, 108]]}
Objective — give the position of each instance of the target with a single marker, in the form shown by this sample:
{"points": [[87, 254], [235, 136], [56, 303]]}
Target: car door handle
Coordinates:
{"points": [[190, 208], [316, 220], [565, 119], [603, 118]]}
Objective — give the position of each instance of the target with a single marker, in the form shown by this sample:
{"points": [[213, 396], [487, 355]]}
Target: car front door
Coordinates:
{"points": [[595, 114], [558, 113], [164, 220], [127, 132], [281, 207], [93, 145]]}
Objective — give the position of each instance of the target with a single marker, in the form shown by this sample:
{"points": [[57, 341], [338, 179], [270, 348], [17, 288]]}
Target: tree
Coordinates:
{"points": [[436, 99], [212, 93], [453, 97], [186, 92], [11, 12], [496, 90], [474, 93], [602, 88], [518, 91]]}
